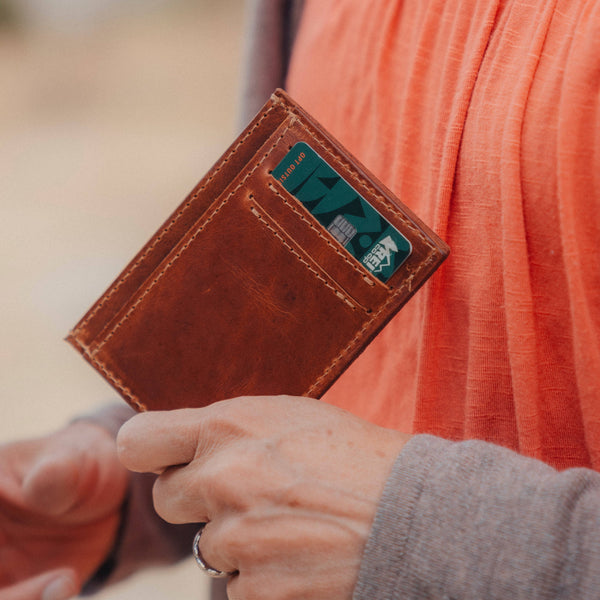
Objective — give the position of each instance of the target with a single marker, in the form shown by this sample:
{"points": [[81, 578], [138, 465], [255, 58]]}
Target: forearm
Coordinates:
{"points": [[144, 538], [471, 520]]}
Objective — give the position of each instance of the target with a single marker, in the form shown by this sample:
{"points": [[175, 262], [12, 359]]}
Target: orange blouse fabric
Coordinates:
{"points": [[483, 117]]}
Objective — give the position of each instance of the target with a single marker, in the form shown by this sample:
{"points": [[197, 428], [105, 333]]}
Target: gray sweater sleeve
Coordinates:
{"points": [[471, 520], [466, 520]]}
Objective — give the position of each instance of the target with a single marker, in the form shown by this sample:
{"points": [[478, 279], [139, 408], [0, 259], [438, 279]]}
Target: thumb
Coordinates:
{"points": [[50, 485], [60, 584]]}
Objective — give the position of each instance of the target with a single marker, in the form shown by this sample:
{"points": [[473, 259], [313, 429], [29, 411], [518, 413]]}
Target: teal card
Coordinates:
{"points": [[336, 205]]}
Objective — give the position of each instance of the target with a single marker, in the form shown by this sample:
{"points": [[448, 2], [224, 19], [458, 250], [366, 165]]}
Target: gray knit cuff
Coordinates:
{"points": [[471, 520]]}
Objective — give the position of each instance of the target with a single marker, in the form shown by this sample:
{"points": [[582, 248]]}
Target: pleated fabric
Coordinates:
{"points": [[483, 116]]}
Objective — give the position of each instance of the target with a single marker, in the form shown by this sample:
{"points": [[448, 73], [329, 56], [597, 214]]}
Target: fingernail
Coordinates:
{"points": [[62, 588]]}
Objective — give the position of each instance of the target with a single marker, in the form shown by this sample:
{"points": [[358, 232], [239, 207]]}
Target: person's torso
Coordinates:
{"points": [[484, 118]]}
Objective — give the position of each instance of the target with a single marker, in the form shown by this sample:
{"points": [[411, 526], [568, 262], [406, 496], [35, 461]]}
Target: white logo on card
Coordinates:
{"points": [[380, 255]]}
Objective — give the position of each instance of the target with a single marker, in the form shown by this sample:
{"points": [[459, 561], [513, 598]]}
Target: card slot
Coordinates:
{"points": [[307, 219], [427, 247], [279, 232], [317, 243]]}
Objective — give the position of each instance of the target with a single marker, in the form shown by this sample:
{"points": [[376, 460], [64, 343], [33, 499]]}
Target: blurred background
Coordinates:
{"points": [[110, 112]]}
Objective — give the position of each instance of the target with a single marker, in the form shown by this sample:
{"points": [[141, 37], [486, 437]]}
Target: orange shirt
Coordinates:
{"points": [[484, 118]]}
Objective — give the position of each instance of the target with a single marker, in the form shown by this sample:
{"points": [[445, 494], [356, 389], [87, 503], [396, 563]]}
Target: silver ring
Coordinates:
{"points": [[215, 573]]}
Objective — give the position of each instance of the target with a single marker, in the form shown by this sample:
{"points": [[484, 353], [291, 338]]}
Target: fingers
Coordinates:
{"points": [[164, 442], [60, 584], [72, 472], [203, 489], [178, 496], [151, 442], [50, 485], [233, 479]]}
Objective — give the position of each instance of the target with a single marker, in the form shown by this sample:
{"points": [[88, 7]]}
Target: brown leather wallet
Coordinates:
{"points": [[245, 289]]}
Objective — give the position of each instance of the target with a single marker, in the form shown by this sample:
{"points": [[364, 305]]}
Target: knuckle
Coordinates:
{"points": [[178, 496], [162, 500], [232, 543], [221, 480], [213, 550]]}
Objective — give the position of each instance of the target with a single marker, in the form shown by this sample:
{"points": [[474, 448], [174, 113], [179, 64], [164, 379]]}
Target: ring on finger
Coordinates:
{"points": [[210, 571]]}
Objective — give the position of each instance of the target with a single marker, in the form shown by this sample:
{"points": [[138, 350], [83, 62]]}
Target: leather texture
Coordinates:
{"points": [[241, 291]]}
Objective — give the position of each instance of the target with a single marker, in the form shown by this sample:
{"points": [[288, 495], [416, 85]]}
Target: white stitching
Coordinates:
{"points": [[326, 239], [187, 244], [405, 284], [168, 227], [119, 384], [340, 295]]}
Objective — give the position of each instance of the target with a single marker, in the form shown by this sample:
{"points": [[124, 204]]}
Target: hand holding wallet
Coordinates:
{"points": [[270, 278]]}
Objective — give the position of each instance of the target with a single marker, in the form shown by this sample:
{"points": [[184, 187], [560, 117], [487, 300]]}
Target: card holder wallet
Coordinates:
{"points": [[243, 290]]}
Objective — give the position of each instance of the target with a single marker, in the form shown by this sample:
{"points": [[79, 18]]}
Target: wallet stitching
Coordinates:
{"points": [[108, 374], [187, 244], [406, 284], [367, 324], [171, 223], [339, 294], [325, 238], [119, 384]]}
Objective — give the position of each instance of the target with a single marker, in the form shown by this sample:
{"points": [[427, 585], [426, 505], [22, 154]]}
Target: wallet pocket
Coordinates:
{"points": [[279, 232], [237, 306], [300, 228]]}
